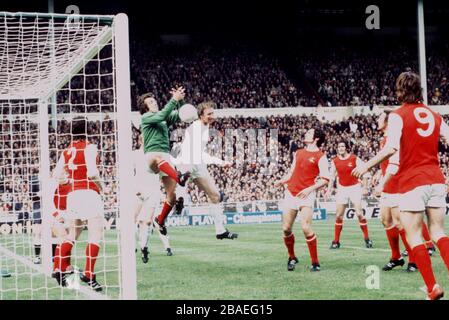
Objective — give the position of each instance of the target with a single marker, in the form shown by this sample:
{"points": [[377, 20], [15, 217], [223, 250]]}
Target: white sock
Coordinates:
{"points": [[164, 239], [217, 212], [143, 235]]}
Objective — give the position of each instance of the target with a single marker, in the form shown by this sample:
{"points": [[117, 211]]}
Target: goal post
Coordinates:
{"points": [[55, 67], [126, 224]]}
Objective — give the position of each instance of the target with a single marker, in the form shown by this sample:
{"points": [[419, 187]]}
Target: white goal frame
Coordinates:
{"points": [[117, 31]]}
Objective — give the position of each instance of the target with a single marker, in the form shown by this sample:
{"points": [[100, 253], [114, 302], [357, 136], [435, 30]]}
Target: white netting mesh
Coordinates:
{"points": [[30, 69], [36, 53]]}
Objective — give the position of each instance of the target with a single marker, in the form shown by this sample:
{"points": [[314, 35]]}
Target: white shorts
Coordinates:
{"points": [[145, 211], [151, 155], [422, 197], [84, 204], [294, 203], [353, 193], [148, 187], [389, 200]]}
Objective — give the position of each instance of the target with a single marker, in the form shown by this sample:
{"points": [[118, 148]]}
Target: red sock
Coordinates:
{"points": [[411, 259], [426, 235], [166, 209], [393, 240], [166, 168], [338, 228], [290, 244], [62, 256], [443, 246], [312, 244], [57, 258], [91, 257], [424, 265], [364, 226]]}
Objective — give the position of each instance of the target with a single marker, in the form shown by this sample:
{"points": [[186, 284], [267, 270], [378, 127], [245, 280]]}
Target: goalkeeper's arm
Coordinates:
{"points": [[153, 118]]}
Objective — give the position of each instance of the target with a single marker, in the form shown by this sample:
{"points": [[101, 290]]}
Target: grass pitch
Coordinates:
{"points": [[255, 266], [252, 267]]}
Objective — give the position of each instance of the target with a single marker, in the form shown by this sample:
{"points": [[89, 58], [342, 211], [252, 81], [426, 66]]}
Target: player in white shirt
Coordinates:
{"points": [[148, 198], [194, 158]]}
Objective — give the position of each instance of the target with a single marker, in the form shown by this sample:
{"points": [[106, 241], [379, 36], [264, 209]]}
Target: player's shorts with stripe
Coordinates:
{"points": [[151, 155], [353, 193], [84, 204], [294, 203], [389, 200], [421, 197]]}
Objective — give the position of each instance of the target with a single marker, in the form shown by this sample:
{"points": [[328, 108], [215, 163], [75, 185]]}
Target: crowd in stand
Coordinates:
{"points": [[247, 180], [252, 180], [233, 77], [237, 77]]}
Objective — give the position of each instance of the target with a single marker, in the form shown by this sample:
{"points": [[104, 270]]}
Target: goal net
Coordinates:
{"points": [[54, 68]]}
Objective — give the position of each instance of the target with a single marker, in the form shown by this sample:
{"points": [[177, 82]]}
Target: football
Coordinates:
{"points": [[188, 113]]}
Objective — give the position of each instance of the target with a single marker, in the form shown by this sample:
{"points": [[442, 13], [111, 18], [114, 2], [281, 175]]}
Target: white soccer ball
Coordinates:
{"points": [[188, 113]]}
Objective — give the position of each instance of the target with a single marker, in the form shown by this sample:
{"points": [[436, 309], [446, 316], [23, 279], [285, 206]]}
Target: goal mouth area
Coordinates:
{"points": [[40, 52]]}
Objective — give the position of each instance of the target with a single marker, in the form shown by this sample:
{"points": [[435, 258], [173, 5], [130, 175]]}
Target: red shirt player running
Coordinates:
{"points": [[348, 189], [78, 163], [414, 131], [309, 172]]}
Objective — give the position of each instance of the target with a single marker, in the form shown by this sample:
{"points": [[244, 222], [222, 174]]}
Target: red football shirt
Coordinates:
{"points": [[344, 168], [307, 167], [391, 187], [414, 130], [76, 161]]}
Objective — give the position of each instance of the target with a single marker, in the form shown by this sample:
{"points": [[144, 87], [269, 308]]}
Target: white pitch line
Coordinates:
{"points": [[358, 248], [88, 292]]}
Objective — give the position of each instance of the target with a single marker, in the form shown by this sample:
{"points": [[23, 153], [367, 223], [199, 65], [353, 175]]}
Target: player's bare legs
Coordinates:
{"points": [[164, 237], [95, 227], [339, 214], [363, 224], [170, 187], [427, 239], [288, 219], [68, 236], [306, 225], [208, 186], [436, 218], [158, 164], [389, 223], [396, 217], [412, 222]]}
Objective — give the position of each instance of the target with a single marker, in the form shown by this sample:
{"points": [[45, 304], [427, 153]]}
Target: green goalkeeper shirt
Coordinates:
{"points": [[155, 127]]}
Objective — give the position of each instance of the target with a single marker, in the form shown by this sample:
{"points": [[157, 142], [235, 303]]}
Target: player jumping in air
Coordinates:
{"points": [[195, 143], [414, 131], [148, 197], [302, 183], [156, 145], [349, 188], [79, 163]]}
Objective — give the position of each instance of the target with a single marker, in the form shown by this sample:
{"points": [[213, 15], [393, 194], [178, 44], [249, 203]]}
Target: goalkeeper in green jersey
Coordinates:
{"points": [[156, 145]]}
